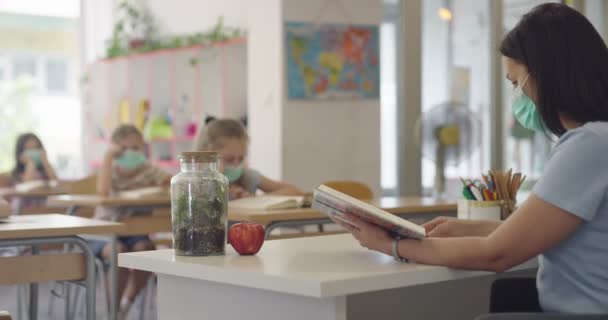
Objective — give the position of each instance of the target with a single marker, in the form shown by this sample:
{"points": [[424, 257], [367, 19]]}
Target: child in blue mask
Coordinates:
{"points": [[229, 138], [31, 162], [125, 167]]}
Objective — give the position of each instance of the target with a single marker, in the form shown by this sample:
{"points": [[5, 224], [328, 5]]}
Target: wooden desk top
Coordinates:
{"points": [[396, 205], [95, 200], [36, 193], [53, 225]]}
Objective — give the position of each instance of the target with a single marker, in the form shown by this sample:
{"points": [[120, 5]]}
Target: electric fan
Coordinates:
{"points": [[450, 134]]}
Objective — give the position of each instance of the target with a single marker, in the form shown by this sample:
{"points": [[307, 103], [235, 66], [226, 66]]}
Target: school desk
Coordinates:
{"points": [[416, 209], [133, 224], [325, 278], [21, 196], [38, 230]]}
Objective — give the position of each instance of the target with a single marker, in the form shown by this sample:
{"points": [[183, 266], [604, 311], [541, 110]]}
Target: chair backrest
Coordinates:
{"points": [[87, 185], [354, 189], [6, 181], [5, 315]]}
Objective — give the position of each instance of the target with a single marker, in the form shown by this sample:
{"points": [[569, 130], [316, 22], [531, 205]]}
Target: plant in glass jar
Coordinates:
{"points": [[199, 196]]}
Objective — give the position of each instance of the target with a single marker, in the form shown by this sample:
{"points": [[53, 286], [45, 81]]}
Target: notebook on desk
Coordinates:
{"points": [[143, 192], [267, 202], [336, 204], [35, 185]]}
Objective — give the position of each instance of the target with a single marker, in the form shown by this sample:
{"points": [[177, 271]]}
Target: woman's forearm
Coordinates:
{"points": [[471, 253], [483, 228]]}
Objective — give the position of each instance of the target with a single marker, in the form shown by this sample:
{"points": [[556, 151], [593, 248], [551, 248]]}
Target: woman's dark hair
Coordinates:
{"points": [[568, 60], [19, 148]]}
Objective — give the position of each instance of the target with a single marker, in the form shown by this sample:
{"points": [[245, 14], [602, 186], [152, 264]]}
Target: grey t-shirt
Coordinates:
{"points": [[573, 276], [250, 180]]}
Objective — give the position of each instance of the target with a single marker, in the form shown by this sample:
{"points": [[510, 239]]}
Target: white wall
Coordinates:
{"points": [[317, 141], [183, 16]]}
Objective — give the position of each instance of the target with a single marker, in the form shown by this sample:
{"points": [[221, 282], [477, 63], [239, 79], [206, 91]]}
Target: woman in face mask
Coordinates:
{"points": [[31, 162], [558, 65], [229, 138]]}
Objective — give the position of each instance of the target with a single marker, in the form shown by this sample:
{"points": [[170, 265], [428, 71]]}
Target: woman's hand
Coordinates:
{"points": [[368, 235]]}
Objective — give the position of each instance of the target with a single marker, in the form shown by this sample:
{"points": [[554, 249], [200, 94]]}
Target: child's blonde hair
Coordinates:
{"points": [[125, 130], [209, 137]]}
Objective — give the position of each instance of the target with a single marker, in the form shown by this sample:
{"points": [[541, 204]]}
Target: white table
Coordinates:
{"points": [[327, 277]]}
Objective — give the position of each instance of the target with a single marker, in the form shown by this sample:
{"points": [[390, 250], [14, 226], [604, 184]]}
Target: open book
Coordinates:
{"points": [[335, 204], [267, 202], [35, 185], [143, 192]]}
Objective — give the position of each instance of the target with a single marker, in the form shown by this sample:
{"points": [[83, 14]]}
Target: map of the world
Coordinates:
{"points": [[332, 61]]}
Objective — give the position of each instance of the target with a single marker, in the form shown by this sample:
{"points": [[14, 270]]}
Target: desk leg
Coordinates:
{"points": [[113, 280], [34, 293], [71, 211]]}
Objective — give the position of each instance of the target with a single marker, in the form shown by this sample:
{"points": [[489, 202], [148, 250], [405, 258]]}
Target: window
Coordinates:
{"points": [[388, 95], [525, 151], [455, 73], [56, 75], [24, 65]]}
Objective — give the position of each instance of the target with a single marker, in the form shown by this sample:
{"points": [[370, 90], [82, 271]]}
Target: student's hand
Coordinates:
{"points": [[26, 160], [369, 236], [43, 157], [114, 151], [237, 192]]}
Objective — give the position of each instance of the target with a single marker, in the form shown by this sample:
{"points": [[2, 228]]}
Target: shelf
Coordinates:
{"points": [[173, 139], [234, 41], [160, 163]]}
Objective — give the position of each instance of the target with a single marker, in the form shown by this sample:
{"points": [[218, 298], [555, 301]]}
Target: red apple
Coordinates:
{"points": [[246, 237]]}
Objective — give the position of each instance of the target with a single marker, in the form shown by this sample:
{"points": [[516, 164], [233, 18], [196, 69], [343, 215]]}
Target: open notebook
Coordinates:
{"points": [[267, 202], [336, 204], [143, 192], [35, 185]]}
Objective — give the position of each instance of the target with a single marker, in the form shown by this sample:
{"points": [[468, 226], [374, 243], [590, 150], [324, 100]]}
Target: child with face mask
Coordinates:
{"points": [[229, 138], [125, 167], [31, 162]]}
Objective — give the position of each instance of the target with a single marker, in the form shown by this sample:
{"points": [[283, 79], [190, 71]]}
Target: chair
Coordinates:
{"points": [[354, 189], [6, 181], [5, 315], [517, 299], [540, 316], [87, 185]]}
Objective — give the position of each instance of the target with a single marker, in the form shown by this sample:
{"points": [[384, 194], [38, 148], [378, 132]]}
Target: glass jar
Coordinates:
{"points": [[199, 206]]}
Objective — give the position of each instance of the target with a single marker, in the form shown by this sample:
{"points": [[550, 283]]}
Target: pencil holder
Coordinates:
{"points": [[482, 210]]}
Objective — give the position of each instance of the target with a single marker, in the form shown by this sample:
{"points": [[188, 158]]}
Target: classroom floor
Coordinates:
{"points": [[46, 311]]}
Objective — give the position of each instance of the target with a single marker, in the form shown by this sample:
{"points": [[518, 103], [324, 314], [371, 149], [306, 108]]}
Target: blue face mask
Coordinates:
{"points": [[233, 173], [524, 109], [130, 159], [35, 155]]}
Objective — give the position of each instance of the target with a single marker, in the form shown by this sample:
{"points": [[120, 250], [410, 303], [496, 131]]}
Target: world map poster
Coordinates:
{"points": [[332, 61]]}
